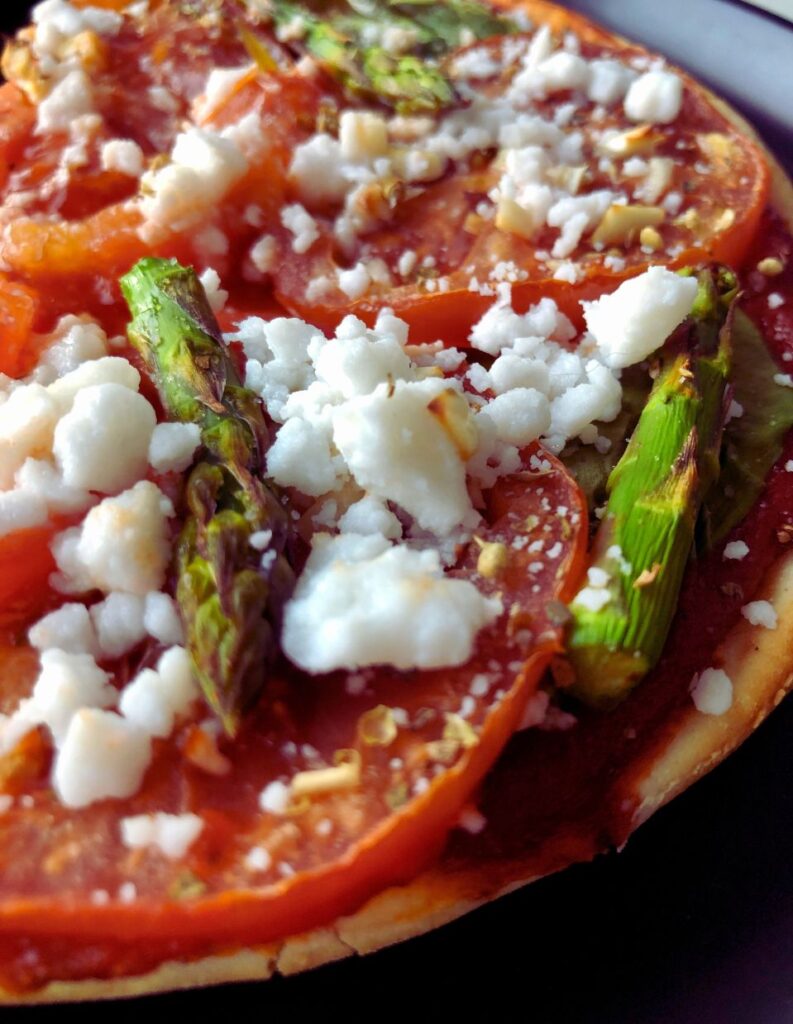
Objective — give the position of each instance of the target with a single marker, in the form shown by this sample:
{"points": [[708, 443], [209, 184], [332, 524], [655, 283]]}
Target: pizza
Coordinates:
{"points": [[396, 480]]}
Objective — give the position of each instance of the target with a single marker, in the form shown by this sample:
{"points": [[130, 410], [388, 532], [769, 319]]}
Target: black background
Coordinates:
{"points": [[692, 922]]}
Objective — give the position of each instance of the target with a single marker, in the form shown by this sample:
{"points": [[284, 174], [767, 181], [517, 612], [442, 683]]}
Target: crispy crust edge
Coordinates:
{"points": [[757, 660]]}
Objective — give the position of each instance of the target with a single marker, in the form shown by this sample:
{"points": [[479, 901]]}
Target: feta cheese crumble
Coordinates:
{"points": [[361, 601], [118, 622], [736, 549], [112, 458], [66, 684], [122, 544], [204, 165], [712, 691], [655, 97], [172, 446], [154, 699], [171, 834], [274, 798], [124, 156], [636, 319], [102, 756], [760, 613]]}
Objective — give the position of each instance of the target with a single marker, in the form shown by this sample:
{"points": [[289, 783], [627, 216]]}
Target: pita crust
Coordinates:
{"points": [[757, 660]]}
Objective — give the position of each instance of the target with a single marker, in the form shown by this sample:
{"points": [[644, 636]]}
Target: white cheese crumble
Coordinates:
{"points": [[274, 798], [370, 515], [760, 613], [171, 834], [263, 254], [124, 156], [127, 892], [69, 628], [70, 99], [99, 754], [76, 426], [66, 684], [736, 549], [210, 282], [598, 577], [301, 225], [102, 756], [361, 601], [161, 619], [56, 22], [521, 415], [122, 544], [112, 458], [258, 858], [353, 409], [156, 698], [118, 621], [543, 153], [76, 340], [204, 165], [355, 281], [633, 321], [712, 691], [172, 446], [655, 97], [398, 450], [317, 170]]}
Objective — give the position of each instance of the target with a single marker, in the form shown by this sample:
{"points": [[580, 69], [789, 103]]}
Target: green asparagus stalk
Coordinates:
{"points": [[340, 37], [229, 595], [754, 439], [449, 22], [621, 619]]}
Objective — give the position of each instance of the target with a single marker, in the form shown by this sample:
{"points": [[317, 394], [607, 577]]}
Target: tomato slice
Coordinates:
{"points": [[19, 306], [25, 566], [106, 241], [330, 850], [720, 175]]}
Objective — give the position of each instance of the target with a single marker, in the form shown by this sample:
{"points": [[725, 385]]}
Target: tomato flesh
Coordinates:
{"points": [[363, 838], [729, 182]]}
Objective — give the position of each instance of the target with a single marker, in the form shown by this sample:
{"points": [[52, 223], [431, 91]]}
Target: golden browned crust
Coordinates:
{"points": [[759, 664]]}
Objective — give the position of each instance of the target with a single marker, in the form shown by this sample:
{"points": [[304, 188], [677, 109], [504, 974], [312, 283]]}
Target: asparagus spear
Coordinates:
{"points": [[753, 441], [620, 620], [340, 37], [229, 595]]}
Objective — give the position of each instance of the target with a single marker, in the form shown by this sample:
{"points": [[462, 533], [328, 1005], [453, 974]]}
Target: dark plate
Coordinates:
{"points": [[693, 922]]}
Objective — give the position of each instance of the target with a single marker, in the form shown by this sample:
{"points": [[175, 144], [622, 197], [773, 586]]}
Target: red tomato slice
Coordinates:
{"points": [[25, 566], [104, 240], [333, 849], [721, 173], [19, 306], [17, 118]]}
